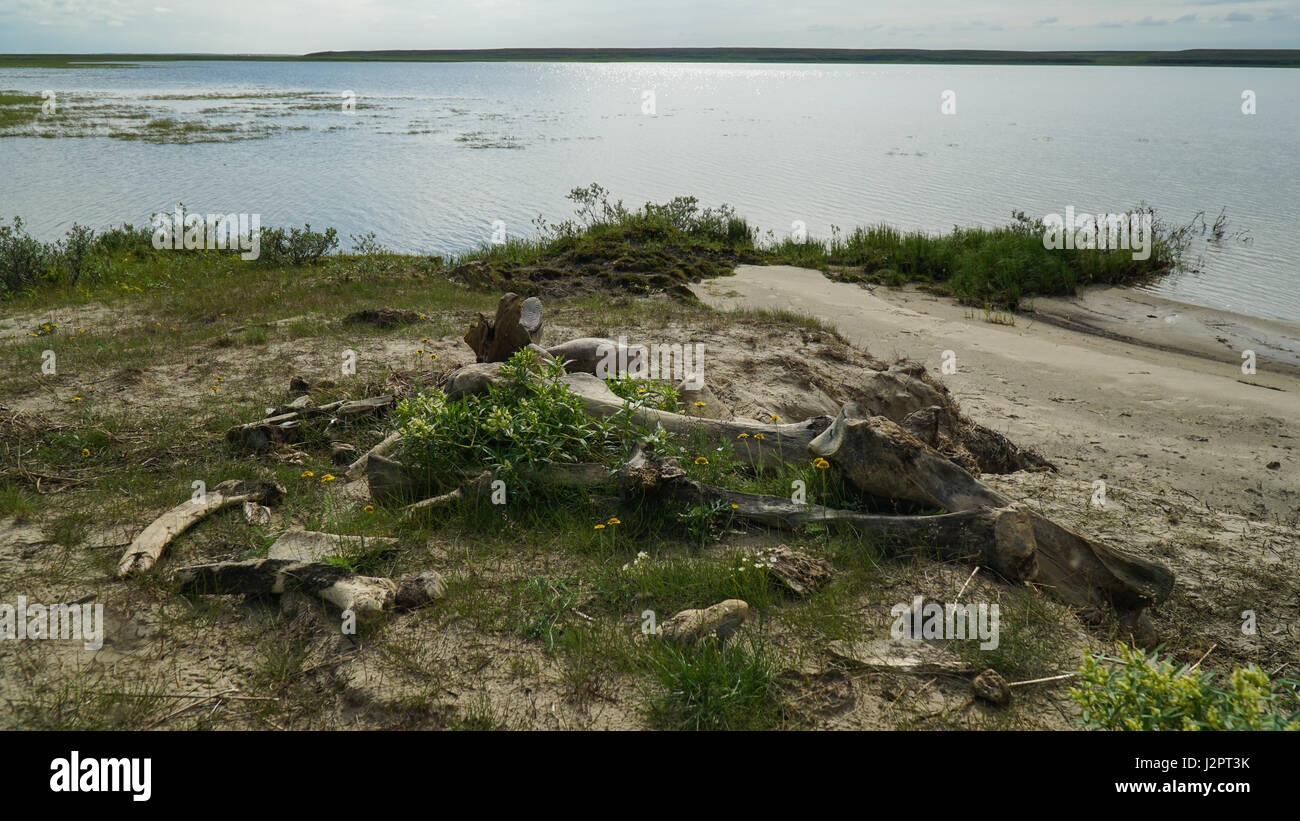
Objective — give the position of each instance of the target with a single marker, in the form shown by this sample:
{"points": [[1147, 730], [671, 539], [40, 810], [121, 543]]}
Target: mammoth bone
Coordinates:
{"points": [[882, 459]]}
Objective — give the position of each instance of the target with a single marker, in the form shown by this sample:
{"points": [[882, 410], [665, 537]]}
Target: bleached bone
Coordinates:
{"points": [[144, 552]]}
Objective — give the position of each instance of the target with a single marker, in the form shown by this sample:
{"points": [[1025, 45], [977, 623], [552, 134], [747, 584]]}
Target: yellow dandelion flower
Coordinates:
{"points": [[600, 527], [700, 404], [305, 474], [424, 339], [735, 506], [758, 436], [213, 388], [613, 520], [369, 508], [329, 477], [76, 399], [433, 356], [221, 379], [85, 451], [701, 460], [820, 463], [419, 350], [774, 418], [743, 436]]}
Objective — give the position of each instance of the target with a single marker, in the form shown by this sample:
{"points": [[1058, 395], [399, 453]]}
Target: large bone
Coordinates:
{"points": [[1001, 538], [145, 550], [882, 459], [358, 468], [339, 586], [584, 355], [762, 444]]}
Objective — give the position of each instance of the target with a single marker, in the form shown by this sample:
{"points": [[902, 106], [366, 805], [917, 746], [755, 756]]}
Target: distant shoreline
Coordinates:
{"points": [[1236, 58]]}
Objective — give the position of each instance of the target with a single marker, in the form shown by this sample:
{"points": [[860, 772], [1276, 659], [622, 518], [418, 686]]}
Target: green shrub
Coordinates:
{"points": [[76, 251], [530, 420], [126, 240], [1134, 691], [23, 259], [297, 245]]}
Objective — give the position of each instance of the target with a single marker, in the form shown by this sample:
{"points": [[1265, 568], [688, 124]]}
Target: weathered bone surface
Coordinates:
{"points": [[762, 444], [517, 324], [145, 550], [882, 459], [721, 621], [339, 586], [358, 468], [314, 546], [800, 573], [900, 656], [585, 354]]}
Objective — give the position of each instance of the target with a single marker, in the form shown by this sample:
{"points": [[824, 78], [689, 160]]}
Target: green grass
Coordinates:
{"points": [[610, 248], [714, 688]]}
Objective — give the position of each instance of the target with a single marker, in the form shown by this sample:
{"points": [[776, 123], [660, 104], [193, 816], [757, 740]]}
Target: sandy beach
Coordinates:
{"points": [[1106, 385]]}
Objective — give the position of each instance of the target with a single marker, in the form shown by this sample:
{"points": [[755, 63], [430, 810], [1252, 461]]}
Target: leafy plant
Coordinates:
{"points": [[1136, 691], [76, 250], [530, 420], [297, 245], [23, 259]]}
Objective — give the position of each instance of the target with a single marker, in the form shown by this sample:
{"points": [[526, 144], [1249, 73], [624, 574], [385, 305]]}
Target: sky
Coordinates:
{"points": [[300, 26]]}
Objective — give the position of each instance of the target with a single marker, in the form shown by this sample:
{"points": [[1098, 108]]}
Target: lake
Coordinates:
{"points": [[434, 153]]}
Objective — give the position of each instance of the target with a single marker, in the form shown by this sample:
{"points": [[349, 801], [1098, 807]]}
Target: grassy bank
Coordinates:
{"points": [[607, 246]]}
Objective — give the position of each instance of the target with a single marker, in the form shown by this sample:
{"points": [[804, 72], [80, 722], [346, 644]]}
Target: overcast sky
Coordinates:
{"points": [[297, 26]]}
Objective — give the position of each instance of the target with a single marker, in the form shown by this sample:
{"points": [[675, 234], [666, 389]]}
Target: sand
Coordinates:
{"points": [[1115, 385]]}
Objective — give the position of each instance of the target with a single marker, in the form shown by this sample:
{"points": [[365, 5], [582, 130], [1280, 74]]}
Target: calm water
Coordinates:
{"points": [[435, 153]]}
